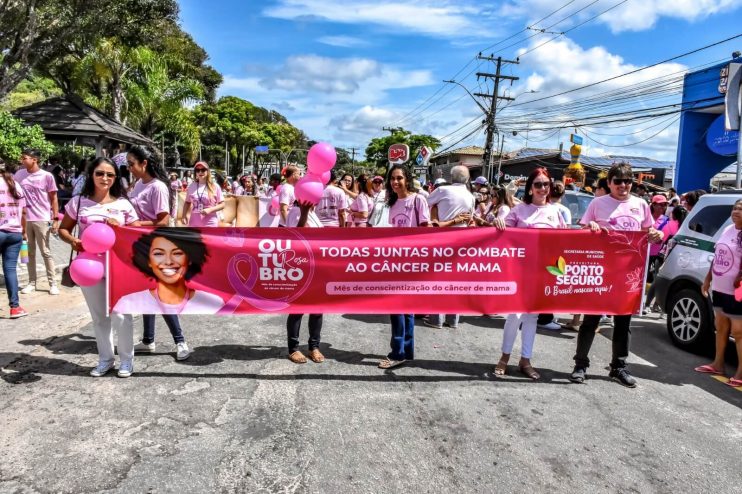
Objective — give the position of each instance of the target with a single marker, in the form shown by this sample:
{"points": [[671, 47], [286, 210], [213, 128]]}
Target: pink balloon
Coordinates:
{"points": [[324, 178], [278, 189], [60, 216], [309, 189], [321, 158], [98, 238], [87, 270]]}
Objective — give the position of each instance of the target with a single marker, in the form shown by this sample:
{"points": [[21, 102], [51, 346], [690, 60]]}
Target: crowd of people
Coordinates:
{"points": [[141, 193]]}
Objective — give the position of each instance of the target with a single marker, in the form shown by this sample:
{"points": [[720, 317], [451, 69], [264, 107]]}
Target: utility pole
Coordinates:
{"points": [[392, 130], [492, 114], [353, 161]]}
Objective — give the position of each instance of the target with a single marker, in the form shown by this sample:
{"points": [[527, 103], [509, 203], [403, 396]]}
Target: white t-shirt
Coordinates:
{"points": [[452, 200], [145, 302], [286, 196], [295, 213], [92, 212]]}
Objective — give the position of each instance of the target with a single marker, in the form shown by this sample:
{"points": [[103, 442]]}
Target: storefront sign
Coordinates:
{"points": [[722, 141]]}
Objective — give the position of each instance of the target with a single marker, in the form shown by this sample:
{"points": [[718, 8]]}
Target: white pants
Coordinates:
{"points": [[95, 297], [527, 323]]}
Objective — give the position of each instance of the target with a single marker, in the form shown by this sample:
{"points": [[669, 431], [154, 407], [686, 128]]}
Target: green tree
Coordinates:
{"points": [[377, 149], [37, 33], [15, 136]]}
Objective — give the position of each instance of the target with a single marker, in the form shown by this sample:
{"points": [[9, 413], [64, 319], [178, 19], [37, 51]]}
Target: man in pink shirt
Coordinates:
{"points": [[617, 211], [332, 208], [42, 209]]}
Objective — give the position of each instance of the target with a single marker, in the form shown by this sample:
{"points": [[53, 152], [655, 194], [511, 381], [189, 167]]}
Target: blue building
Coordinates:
{"points": [[704, 147]]}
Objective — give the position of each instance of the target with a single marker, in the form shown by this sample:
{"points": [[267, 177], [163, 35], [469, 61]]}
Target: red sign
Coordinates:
{"points": [[375, 270], [399, 153]]}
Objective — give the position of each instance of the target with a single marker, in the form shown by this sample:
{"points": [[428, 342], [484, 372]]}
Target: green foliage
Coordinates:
{"points": [[377, 149], [15, 136], [240, 123], [38, 33], [30, 91]]}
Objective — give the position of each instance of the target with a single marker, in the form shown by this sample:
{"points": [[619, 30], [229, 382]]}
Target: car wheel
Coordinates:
{"points": [[689, 321]]}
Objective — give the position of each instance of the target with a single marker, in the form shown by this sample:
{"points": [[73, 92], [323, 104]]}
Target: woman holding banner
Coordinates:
{"points": [[406, 208], [203, 199], [103, 200], [303, 215], [153, 201], [534, 212]]}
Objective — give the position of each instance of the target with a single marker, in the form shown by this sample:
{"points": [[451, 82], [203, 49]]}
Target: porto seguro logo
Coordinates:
{"points": [[576, 274]]}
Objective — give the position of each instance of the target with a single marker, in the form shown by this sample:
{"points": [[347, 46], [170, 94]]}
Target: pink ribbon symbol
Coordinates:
{"points": [[244, 289]]}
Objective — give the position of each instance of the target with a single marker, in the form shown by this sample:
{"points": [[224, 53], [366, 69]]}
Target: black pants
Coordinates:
{"points": [[621, 340], [545, 318], [293, 323]]}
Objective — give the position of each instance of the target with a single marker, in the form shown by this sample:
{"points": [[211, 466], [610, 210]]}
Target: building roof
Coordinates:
{"points": [[467, 150], [526, 154], [69, 117]]}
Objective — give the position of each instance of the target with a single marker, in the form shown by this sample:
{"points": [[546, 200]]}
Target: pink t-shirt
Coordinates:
{"points": [[661, 224], [92, 212], [410, 211], [36, 188], [11, 208], [198, 197], [726, 261], [150, 199], [286, 196], [333, 201], [363, 203], [631, 214], [531, 216]]}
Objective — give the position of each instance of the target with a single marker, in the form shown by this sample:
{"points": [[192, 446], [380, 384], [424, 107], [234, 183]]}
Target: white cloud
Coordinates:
{"points": [[343, 41], [338, 76], [630, 16], [364, 122], [439, 18]]}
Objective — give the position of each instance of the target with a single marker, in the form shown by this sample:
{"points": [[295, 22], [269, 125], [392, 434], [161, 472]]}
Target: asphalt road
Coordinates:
{"points": [[239, 417]]}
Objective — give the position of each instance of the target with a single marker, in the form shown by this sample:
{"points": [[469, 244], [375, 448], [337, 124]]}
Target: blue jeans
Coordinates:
{"points": [[403, 337], [10, 247], [172, 324]]}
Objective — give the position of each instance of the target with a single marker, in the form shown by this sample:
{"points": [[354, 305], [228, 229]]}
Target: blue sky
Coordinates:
{"points": [[341, 70]]}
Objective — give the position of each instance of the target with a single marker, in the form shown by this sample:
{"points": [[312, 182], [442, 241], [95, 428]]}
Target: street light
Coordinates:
{"points": [[480, 105]]}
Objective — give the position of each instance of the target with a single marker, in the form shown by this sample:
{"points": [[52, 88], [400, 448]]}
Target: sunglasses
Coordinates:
{"points": [[104, 174], [541, 185], [201, 170], [624, 181]]}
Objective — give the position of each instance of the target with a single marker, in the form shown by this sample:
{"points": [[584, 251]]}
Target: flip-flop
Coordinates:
{"points": [[708, 369], [735, 383]]}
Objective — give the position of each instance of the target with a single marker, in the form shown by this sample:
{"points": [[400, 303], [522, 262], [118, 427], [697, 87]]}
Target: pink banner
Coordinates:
{"points": [[370, 270]]}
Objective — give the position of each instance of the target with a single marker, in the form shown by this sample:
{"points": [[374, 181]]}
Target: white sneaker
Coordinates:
{"points": [[28, 289], [183, 351], [142, 347], [102, 369], [126, 368], [53, 290], [552, 326]]}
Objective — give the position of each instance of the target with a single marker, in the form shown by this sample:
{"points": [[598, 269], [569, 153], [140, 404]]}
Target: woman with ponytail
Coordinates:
{"points": [[152, 198], [12, 234]]}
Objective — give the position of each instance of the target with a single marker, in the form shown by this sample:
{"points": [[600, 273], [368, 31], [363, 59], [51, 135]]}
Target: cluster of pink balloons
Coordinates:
{"points": [[89, 267], [320, 160]]}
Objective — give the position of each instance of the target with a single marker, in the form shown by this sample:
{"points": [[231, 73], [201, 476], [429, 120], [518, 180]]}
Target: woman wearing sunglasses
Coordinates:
{"points": [[534, 212], [203, 199], [499, 206], [103, 200]]}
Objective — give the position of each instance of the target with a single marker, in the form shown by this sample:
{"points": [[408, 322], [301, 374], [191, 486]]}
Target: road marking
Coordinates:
{"points": [[724, 379]]}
